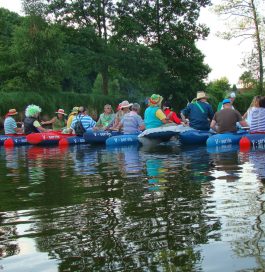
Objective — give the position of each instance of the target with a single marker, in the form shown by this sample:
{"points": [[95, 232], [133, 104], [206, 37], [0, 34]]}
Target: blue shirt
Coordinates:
{"points": [[131, 122], [150, 119], [199, 114], [86, 121], [10, 125]]}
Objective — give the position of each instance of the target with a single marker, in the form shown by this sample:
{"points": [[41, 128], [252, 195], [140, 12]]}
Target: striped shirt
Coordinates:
{"points": [[10, 125], [258, 120], [131, 122], [86, 121]]}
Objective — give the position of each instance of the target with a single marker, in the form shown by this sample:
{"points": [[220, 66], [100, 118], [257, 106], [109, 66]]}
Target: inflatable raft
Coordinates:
{"points": [[3, 138], [194, 137], [252, 140], [161, 134], [121, 140], [46, 138], [225, 138], [73, 140], [99, 137]]}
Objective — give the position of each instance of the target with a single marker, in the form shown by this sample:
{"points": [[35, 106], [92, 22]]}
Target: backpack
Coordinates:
{"points": [[79, 128]]}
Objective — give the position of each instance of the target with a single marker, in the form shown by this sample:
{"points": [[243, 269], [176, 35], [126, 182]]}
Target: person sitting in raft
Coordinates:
{"points": [[171, 115], [254, 105], [10, 124], [58, 122], [71, 116], [87, 122], [105, 119], [132, 122], [258, 117], [199, 112], [226, 119], [153, 116], [231, 97], [123, 108], [31, 123]]}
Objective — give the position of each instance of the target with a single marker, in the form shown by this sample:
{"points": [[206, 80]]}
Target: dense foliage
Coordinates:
{"points": [[133, 47]]}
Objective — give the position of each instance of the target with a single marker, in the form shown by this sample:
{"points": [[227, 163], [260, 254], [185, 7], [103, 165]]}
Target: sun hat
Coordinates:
{"points": [[155, 100], [61, 111], [12, 112], [226, 101], [125, 104], [75, 109], [200, 95], [32, 110]]}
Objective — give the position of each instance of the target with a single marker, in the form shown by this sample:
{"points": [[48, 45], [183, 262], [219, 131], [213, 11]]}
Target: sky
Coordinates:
{"points": [[224, 57]]}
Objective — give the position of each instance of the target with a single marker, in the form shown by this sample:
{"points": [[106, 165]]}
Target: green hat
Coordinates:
{"points": [[32, 110], [155, 100]]}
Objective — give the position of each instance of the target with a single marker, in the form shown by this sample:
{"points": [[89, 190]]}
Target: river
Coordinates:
{"points": [[166, 208]]}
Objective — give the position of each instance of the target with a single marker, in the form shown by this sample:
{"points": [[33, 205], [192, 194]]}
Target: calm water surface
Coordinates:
{"points": [[162, 209]]}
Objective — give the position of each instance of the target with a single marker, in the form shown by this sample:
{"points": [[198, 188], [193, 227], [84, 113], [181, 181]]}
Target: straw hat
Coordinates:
{"points": [[12, 112], [125, 104], [61, 111], [155, 100], [75, 109], [201, 95]]}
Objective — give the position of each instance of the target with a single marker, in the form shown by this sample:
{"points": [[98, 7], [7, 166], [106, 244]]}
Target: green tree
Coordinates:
{"points": [[244, 18]]}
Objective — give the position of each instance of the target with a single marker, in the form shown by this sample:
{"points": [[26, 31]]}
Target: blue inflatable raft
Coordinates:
{"points": [[194, 137], [72, 141], [253, 140], [121, 140], [99, 137], [225, 138]]}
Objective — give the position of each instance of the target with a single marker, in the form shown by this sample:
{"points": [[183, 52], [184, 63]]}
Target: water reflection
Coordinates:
{"points": [[131, 209]]}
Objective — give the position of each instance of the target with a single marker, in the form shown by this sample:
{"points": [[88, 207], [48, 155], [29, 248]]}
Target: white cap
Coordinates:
{"points": [[232, 95]]}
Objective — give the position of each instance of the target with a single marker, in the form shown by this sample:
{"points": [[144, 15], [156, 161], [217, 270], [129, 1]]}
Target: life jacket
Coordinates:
{"points": [[28, 125]]}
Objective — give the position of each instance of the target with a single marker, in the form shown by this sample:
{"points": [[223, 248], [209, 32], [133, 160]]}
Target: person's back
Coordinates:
{"points": [[258, 117], [199, 112], [132, 122], [86, 120], [225, 120]]}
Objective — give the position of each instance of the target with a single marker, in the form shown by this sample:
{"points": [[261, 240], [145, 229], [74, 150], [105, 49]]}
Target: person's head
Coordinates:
{"points": [[167, 105], [262, 102], [82, 110], [108, 109], [74, 110], [227, 103], [155, 100], [232, 97], [125, 106], [32, 111], [255, 101], [201, 96], [60, 113], [11, 112], [136, 107]]}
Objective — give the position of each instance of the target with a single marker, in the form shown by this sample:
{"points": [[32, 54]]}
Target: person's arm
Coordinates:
{"points": [[162, 117], [213, 125], [18, 130], [244, 124], [175, 118], [48, 122], [38, 126]]}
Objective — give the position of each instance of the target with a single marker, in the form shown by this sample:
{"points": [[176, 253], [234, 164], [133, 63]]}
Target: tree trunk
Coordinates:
{"points": [[259, 48], [105, 80]]}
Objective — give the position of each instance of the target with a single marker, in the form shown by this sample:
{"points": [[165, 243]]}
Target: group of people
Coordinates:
{"points": [[198, 115]]}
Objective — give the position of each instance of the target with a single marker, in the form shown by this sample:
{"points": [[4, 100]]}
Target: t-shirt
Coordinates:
{"points": [[86, 121], [226, 120], [199, 114], [172, 116], [10, 125], [258, 120], [131, 123]]}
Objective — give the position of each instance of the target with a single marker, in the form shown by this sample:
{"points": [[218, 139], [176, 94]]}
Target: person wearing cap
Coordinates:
{"points": [[226, 119], [231, 97], [58, 122], [132, 122], [170, 114], [199, 112], [31, 123], [87, 122], [154, 116], [123, 108], [71, 116], [105, 119], [10, 124]]}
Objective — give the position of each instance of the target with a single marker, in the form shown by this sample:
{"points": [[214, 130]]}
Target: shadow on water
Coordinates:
{"points": [[127, 209]]}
